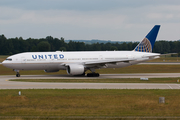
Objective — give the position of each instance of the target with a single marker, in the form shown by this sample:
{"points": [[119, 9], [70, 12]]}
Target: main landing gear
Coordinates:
{"points": [[17, 73], [93, 74]]}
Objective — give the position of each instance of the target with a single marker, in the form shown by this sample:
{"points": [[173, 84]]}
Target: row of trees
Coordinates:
{"points": [[17, 45]]}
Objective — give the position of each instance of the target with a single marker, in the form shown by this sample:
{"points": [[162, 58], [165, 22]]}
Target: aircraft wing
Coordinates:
{"points": [[102, 62], [112, 61]]}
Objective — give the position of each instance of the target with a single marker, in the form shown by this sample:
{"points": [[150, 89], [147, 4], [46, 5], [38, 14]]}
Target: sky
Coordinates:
{"points": [[116, 20]]}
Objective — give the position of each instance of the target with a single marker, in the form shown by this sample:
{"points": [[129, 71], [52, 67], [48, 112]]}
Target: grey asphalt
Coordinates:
{"points": [[5, 84]]}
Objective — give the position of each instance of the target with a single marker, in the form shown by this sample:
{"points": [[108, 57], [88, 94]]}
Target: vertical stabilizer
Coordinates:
{"points": [[147, 44]]}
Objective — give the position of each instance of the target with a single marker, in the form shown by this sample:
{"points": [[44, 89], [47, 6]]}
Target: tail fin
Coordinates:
{"points": [[146, 45]]}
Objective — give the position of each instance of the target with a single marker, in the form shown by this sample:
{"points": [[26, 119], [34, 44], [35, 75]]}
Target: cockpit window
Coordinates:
{"points": [[9, 59]]}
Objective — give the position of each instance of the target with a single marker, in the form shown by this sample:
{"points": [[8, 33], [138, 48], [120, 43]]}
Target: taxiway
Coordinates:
{"points": [[6, 84]]}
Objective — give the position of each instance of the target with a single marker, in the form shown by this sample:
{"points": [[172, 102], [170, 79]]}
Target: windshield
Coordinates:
{"points": [[8, 59]]}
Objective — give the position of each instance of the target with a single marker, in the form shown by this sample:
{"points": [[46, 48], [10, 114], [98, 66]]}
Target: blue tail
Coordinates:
{"points": [[146, 45]]}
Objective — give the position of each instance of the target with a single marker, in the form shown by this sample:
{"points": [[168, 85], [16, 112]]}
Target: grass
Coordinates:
{"points": [[143, 69], [111, 80], [166, 59], [89, 103]]}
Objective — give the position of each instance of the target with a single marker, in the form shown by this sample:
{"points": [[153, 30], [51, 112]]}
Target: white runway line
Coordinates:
{"points": [[169, 86], [178, 85]]}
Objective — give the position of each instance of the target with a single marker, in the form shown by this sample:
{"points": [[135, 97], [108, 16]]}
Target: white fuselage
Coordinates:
{"points": [[77, 63], [53, 61]]}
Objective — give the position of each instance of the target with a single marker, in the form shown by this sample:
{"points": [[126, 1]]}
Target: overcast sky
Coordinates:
{"points": [[120, 20]]}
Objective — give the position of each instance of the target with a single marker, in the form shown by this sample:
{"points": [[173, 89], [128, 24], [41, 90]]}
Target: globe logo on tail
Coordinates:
{"points": [[144, 46]]}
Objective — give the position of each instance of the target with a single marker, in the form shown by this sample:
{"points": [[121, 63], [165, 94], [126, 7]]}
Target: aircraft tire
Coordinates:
{"points": [[93, 75], [17, 75]]}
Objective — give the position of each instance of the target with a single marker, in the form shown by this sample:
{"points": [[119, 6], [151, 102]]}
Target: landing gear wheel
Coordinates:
{"points": [[17, 75], [93, 75]]}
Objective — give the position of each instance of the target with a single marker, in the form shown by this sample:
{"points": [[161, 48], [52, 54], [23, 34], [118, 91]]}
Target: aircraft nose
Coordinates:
{"points": [[3, 62]]}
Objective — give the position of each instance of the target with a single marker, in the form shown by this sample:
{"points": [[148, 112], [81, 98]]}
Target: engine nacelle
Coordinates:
{"points": [[75, 69], [51, 71]]}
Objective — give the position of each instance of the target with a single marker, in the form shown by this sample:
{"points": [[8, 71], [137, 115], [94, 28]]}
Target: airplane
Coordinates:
{"points": [[77, 63]]}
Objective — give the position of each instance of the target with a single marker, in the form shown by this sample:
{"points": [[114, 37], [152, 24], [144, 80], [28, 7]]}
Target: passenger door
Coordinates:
{"points": [[23, 60]]}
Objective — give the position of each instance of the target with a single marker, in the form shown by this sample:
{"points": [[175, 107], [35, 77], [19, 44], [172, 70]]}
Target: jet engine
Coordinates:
{"points": [[51, 71], [75, 69]]}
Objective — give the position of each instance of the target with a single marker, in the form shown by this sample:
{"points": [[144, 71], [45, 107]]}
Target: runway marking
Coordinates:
{"points": [[177, 85], [169, 86]]}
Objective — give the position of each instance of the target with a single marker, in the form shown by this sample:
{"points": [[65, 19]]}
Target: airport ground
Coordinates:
{"points": [[133, 104], [89, 103]]}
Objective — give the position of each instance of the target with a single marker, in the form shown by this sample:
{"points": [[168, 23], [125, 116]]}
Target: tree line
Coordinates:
{"points": [[17, 45]]}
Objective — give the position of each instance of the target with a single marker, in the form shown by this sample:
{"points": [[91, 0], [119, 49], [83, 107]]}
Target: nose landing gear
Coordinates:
{"points": [[17, 73]]}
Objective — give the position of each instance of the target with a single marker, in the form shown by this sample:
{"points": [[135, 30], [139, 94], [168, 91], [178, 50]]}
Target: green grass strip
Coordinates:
{"points": [[108, 103], [116, 80]]}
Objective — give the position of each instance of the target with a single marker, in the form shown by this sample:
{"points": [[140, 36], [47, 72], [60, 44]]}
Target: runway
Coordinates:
{"points": [[5, 84]]}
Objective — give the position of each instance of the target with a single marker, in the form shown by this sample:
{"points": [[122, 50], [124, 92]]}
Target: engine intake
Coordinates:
{"points": [[75, 69]]}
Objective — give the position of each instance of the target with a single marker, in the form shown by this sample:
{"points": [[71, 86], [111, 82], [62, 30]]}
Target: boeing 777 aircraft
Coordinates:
{"points": [[77, 63]]}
